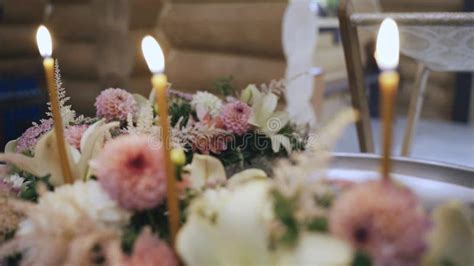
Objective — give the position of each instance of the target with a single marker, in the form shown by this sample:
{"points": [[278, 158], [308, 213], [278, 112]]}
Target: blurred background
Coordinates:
{"points": [[97, 45]]}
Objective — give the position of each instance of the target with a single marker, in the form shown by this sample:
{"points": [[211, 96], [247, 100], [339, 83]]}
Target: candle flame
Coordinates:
{"points": [[153, 55], [43, 39], [388, 45]]}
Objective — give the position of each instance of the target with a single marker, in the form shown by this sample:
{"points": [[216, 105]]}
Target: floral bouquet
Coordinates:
{"points": [[241, 129], [117, 215], [238, 129]]}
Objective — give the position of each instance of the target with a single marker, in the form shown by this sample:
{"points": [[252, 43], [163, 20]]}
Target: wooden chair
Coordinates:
{"points": [[312, 64], [438, 41]]}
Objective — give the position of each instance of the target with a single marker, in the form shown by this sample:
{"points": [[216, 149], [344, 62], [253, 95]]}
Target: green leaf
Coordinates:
{"points": [[283, 209], [318, 225], [29, 192], [223, 86], [180, 110], [361, 259]]}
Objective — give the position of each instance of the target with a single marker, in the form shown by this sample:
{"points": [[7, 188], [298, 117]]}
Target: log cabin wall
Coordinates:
{"points": [[98, 44], [207, 39], [21, 96], [73, 26], [144, 16], [92, 46], [19, 20]]}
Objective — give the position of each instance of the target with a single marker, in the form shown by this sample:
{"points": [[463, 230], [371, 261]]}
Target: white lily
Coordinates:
{"points": [[452, 238], [317, 249], [236, 234], [250, 94], [205, 169], [11, 146], [46, 159], [269, 121], [232, 221]]}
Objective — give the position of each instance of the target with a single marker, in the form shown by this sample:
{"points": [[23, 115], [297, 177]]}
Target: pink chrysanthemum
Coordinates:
{"points": [[30, 137], [207, 144], [382, 219], [132, 172], [235, 116], [73, 135], [115, 104], [207, 138], [151, 251]]}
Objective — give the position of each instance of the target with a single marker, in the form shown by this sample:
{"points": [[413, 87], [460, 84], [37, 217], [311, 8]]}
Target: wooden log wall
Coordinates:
{"points": [[93, 47], [18, 23], [144, 16], [209, 39], [98, 43], [73, 26]]}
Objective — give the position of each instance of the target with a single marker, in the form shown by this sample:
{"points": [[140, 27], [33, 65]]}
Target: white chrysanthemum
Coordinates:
{"points": [[206, 103], [65, 211], [66, 226]]}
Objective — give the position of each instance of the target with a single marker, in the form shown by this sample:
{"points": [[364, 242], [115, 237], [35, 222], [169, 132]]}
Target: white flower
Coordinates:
{"points": [[65, 211], [65, 225], [15, 181], [46, 161], [68, 115], [317, 249], [234, 231], [205, 170], [452, 238], [208, 170], [206, 103], [269, 121], [250, 94]]}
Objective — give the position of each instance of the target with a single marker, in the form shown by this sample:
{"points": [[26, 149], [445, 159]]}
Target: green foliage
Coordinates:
{"points": [[231, 157], [29, 192], [155, 218], [361, 259], [325, 200], [223, 86], [318, 225], [180, 110], [284, 208], [13, 260], [446, 262]]}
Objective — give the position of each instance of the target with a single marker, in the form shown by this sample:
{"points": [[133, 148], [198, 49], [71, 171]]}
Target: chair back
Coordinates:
{"points": [[441, 41], [440, 48]]}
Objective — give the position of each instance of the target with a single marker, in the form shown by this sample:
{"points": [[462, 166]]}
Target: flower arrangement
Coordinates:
{"points": [[236, 128], [122, 208], [116, 214], [240, 129]]}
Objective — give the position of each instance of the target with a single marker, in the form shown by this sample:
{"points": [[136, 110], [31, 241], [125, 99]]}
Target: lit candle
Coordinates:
{"points": [[45, 46], [156, 62], [387, 56]]}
